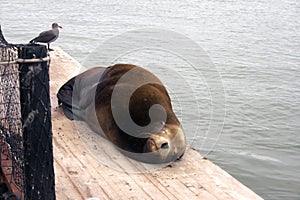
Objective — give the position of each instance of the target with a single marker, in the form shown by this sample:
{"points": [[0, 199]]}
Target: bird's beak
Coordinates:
{"points": [[59, 26]]}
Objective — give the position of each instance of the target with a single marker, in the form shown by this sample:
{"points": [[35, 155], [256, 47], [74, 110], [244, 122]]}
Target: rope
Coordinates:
{"points": [[33, 60]]}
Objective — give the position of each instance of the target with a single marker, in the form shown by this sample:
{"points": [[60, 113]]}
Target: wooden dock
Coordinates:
{"points": [[98, 171]]}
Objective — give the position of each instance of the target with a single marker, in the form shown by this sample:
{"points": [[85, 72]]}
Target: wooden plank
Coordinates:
{"points": [[87, 166]]}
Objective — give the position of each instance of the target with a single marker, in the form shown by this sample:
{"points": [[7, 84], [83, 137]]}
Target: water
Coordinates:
{"points": [[255, 46]]}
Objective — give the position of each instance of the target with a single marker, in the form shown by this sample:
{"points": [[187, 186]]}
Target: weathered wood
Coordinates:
{"points": [[80, 174]]}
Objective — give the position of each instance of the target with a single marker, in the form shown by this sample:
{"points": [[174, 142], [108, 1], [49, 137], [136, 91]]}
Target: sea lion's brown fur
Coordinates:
{"points": [[164, 145]]}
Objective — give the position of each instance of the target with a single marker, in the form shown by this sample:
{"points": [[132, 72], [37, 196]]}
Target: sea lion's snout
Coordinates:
{"points": [[156, 143], [169, 144]]}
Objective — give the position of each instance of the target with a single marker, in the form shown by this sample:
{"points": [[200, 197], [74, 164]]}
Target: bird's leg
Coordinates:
{"points": [[49, 47]]}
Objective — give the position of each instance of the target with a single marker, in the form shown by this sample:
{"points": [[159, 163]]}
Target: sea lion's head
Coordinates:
{"points": [[169, 143], [150, 106]]}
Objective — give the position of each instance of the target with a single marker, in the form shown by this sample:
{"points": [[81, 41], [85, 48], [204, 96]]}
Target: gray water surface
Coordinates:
{"points": [[254, 45]]}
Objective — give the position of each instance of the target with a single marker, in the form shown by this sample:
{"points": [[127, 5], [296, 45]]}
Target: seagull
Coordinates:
{"points": [[48, 36]]}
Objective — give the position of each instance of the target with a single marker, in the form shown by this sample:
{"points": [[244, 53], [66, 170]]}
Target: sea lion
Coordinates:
{"points": [[130, 107]]}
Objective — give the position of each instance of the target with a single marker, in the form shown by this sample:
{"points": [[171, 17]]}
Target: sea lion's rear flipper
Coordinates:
{"points": [[68, 112], [65, 96], [78, 93]]}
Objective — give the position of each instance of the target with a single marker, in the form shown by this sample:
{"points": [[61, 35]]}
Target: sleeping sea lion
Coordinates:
{"points": [[130, 107]]}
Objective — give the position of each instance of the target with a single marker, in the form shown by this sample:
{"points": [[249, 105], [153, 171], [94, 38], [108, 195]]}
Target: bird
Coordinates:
{"points": [[48, 36]]}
